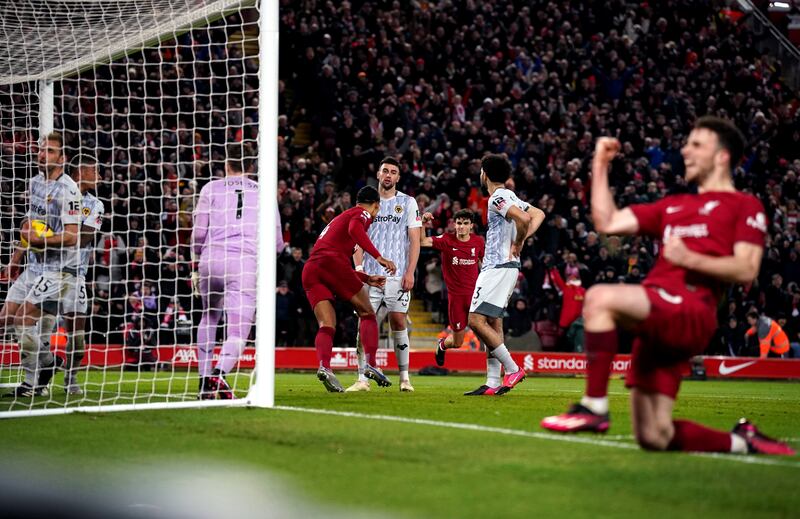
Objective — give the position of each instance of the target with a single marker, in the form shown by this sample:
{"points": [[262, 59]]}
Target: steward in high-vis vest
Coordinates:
{"points": [[771, 337]]}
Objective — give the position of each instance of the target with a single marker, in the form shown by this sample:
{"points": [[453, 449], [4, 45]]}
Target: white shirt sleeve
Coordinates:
{"points": [[413, 217], [500, 202], [95, 217], [521, 203], [71, 206]]}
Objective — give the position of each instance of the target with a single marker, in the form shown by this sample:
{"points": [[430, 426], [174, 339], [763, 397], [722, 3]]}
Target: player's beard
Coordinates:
{"points": [[47, 168], [696, 176], [387, 185]]}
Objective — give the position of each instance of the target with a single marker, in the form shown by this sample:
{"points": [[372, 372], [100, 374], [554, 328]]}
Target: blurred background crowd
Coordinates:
{"points": [[436, 84]]}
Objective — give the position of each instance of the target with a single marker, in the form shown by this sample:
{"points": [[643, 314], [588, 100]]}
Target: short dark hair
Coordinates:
{"points": [[730, 138], [496, 167], [752, 314], [464, 214], [391, 161], [81, 159], [234, 157], [367, 195]]}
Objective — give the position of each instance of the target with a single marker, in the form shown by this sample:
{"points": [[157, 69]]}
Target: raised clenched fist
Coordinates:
{"points": [[606, 149]]}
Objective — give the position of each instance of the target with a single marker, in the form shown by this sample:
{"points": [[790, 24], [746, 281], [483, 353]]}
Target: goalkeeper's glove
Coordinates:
{"points": [[196, 283]]}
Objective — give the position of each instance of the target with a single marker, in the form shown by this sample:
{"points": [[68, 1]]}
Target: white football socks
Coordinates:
{"points": [[597, 405], [401, 351], [501, 353], [738, 444], [493, 368]]}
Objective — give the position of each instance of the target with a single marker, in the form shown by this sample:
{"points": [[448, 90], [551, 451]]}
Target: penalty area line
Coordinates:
{"points": [[750, 460]]}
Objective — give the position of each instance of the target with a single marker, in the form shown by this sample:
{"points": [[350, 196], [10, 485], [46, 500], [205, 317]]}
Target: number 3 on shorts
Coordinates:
{"points": [[477, 293]]}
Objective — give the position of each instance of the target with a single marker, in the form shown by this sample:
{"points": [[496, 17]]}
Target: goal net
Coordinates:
{"points": [[153, 100]]}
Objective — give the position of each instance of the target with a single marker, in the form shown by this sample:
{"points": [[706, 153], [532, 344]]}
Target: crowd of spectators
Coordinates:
{"points": [[438, 84]]}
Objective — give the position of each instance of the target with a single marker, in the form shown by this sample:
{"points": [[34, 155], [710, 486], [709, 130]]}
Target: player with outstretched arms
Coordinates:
{"points": [[225, 240], [84, 171], [53, 261], [710, 239], [328, 274], [395, 232], [462, 254], [511, 222]]}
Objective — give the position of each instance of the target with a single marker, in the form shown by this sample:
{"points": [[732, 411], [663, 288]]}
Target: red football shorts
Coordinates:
{"points": [[326, 278], [677, 329], [458, 311]]}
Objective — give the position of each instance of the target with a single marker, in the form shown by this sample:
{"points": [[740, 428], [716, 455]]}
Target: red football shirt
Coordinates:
{"points": [[460, 262], [343, 233], [709, 223]]}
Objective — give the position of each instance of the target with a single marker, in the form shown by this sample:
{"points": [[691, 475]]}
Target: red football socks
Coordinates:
{"points": [[324, 345], [368, 329], [693, 437], [600, 350]]}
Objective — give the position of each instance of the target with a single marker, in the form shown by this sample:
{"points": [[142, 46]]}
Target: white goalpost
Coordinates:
{"points": [[153, 94]]}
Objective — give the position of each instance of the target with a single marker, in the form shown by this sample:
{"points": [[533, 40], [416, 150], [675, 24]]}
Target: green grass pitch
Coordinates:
{"points": [[436, 453]]}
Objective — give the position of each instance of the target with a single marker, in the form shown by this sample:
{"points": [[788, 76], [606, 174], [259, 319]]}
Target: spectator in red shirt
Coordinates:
{"points": [[573, 295]]}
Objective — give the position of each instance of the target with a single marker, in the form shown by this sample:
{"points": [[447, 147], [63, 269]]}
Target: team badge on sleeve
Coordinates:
{"points": [[499, 203]]}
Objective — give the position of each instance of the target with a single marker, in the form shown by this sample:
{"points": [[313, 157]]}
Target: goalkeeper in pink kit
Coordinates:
{"points": [[225, 241]]}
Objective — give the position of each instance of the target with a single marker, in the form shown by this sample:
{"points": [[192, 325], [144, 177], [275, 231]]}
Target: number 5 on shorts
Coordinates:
{"points": [[477, 293], [42, 287]]}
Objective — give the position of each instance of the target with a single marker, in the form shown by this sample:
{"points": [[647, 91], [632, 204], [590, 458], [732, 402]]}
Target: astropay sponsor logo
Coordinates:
{"points": [[387, 218]]}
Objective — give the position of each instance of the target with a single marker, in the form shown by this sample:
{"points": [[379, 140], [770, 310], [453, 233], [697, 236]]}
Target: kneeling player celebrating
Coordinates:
{"points": [[710, 238], [329, 273]]}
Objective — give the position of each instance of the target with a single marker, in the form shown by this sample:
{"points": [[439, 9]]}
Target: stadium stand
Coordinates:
{"points": [[441, 83]]}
